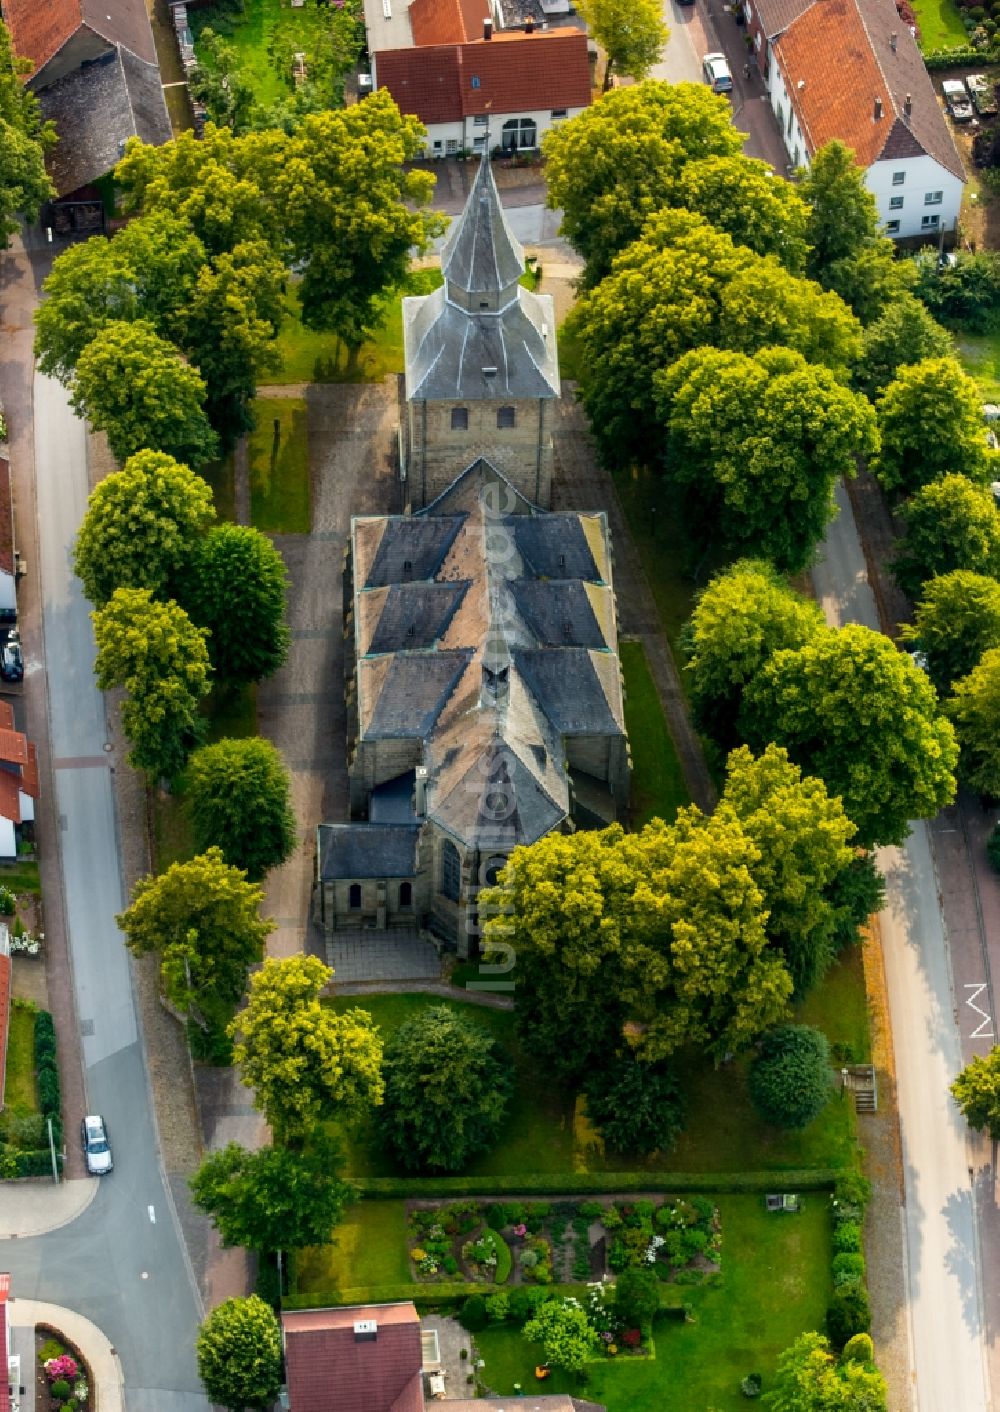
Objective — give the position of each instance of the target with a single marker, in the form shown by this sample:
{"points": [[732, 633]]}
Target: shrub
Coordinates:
{"points": [[848, 1269], [847, 1239], [859, 1349], [522, 1303], [473, 1315], [751, 1385], [636, 1106], [497, 1308], [637, 1295], [449, 1265], [50, 1349], [790, 1079], [8, 901], [993, 848], [847, 1315], [853, 1189], [49, 1098], [60, 1389]]}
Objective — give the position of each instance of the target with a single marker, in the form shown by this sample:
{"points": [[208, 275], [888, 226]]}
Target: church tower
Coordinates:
{"points": [[482, 371]]}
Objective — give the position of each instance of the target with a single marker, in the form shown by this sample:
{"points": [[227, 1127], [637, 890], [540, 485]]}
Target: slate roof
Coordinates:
{"points": [[421, 544], [371, 850], [837, 57], [406, 692], [40, 28], [412, 616], [327, 1366], [482, 255]]}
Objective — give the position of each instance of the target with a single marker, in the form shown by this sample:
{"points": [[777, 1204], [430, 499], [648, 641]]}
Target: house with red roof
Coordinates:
{"points": [[479, 71], [18, 781], [851, 70]]}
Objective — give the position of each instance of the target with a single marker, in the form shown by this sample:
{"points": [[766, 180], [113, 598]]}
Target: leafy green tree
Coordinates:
{"points": [[306, 1061], [790, 1079], [957, 620], [24, 140], [236, 588], [856, 895], [239, 1354], [618, 162], [930, 425], [631, 33], [756, 445], [745, 614], [974, 709], [141, 527], [977, 1092], [637, 1295], [157, 654], [852, 709], [202, 919], [566, 1337], [949, 524], [738, 195], [680, 286], [810, 1379], [272, 1199], [637, 1106], [904, 333], [802, 836], [848, 252], [220, 84], [239, 794], [446, 1091], [964, 292], [332, 39], [135, 386]]}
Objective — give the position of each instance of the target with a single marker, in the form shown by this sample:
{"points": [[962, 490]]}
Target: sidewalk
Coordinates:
{"points": [[35, 1208], [107, 1385]]}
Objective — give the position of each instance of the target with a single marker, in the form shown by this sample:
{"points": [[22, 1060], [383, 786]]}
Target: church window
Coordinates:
{"points": [[451, 872], [406, 894], [506, 418], [354, 897], [460, 419]]}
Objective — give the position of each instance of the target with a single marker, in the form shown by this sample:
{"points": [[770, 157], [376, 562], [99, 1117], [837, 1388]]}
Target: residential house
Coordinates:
{"points": [[18, 782], [475, 74], [851, 70], [96, 76]]}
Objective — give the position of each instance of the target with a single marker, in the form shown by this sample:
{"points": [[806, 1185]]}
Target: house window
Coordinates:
{"points": [[559, 112], [898, 178], [478, 143], [519, 134], [406, 894], [779, 113], [791, 119], [933, 198], [460, 419], [892, 227], [929, 222], [354, 897], [757, 41], [797, 156], [451, 872], [480, 121], [895, 203], [506, 418], [437, 144]]}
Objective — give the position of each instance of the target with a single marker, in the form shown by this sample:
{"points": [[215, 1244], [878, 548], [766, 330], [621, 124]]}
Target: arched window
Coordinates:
{"points": [[354, 897], [506, 418], [494, 867], [406, 894], [451, 872], [460, 419]]}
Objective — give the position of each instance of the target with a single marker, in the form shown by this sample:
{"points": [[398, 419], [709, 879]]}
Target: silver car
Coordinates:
{"points": [[717, 74], [96, 1147]]}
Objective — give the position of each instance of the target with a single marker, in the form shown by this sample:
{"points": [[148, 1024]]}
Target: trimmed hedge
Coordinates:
{"points": [[433, 1296], [953, 58], [37, 1163], [597, 1183]]}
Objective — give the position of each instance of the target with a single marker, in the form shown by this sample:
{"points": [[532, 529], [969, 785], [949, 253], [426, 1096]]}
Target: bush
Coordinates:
{"points": [[848, 1269], [751, 1385], [497, 1308], [637, 1295], [790, 1080], [60, 1389], [847, 1239], [852, 1188], [49, 1097], [522, 1303], [848, 1314], [636, 1106], [473, 1315], [993, 848], [8, 901], [859, 1349], [268, 1284]]}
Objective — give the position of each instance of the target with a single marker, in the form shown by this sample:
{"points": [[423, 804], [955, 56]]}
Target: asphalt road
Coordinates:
{"points": [[944, 1275], [122, 1263]]}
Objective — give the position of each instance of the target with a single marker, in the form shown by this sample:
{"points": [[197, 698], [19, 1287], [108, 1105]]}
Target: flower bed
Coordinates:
{"points": [[63, 1382], [543, 1242]]}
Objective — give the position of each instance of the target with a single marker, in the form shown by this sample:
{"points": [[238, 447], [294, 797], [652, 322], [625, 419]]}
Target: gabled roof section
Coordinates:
{"points": [[554, 547], [40, 28], [452, 353], [567, 687], [328, 1365], [481, 254], [408, 549], [401, 696], [497, 800], [409, 616], [558, 614], [369, 850], [447, 21]]}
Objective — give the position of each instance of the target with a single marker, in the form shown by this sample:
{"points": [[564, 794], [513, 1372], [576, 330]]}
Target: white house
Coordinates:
{"points": [[851, 70]]}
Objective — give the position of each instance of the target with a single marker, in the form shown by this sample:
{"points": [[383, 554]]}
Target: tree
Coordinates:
{"points": [[637, 1106], [949, 524], [738, 195], [631, 33], [977, 1092], [141, 527], [963, 292], [239, 794], [745, 614], [135, 386], [810, 1379], [790, 1079], [561, 1327], [802, 836], [272, 1199], [637, 1295], [236, 588], [930, 425], [756, 445], [24, 140], [158, 655], [856, 895], [848, 252], [617, 163], [680, 286], [853, 710], [974, 709], [239, 1354], [446, 1091], [219, 84], [957, 620], [201, 918], [306, 1061], [904, 333]]}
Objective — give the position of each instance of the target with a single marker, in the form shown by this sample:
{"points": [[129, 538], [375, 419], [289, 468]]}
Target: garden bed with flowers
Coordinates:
{"points": [[63, 1382], [563, 1242]]}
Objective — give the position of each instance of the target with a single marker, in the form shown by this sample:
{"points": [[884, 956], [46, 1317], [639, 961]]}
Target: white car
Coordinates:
{"points": [[717, 74], [96, 1147], [957, 99]]}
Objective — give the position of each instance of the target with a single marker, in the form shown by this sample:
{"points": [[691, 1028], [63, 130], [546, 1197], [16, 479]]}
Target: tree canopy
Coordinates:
{"points": [[446, 1091], [239, 1354], [810, 1379], [949, 524], [24, 140], [977, 1093], [904, 333], [236, 587], [930, 425], [957, 620], [974, 709], [134, 385], [239, 795], [756, 444], [790, 1079], [562, 1328], [306, 1061], [631, 33], [852, 709], [636, 1106], [157, 654], [738, 195], [141, 526]]}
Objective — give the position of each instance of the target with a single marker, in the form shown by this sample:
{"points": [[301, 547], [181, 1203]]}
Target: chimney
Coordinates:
{"points": [[878, 110], [529, 25], [908, 105], [420, 791], [892, 41], [487, 29]]}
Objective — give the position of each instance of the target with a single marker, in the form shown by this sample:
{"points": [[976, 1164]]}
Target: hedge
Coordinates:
{"points": [[953, 58], [597, 1183], [435, 1295], [33, 1164]]}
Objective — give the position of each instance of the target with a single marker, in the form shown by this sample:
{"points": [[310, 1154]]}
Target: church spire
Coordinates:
{"points": [[481, 255]]}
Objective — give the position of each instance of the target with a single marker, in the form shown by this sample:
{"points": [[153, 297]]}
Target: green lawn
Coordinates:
{"points": [[980, 355], [370, 1250], [20, 1098], [247, 28], [278, 450], [20, 877], [839, 1007], [940, 24], [657, 781], [221, 476], [774, 1285]]}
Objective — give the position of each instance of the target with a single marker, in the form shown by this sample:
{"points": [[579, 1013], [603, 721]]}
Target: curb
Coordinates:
{"points": [[107, 1380]]}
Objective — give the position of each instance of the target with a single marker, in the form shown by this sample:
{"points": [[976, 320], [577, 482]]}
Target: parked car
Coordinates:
{"points": [[717, 74], [983, 94], [957, 100], [11, 658], [96, 1147]]}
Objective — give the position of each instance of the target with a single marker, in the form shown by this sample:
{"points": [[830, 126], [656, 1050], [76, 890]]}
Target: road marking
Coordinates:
{"points": [[152, 1215], [984, 1030]]}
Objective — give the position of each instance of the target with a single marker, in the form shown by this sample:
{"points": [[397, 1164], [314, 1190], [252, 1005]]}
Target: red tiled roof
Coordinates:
{"points": [[13, 747], [29, 772], [447, 21], [40, 28], [4, 1031], [10, 796], [6, 716], [516, 72], [327, 1365]]}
